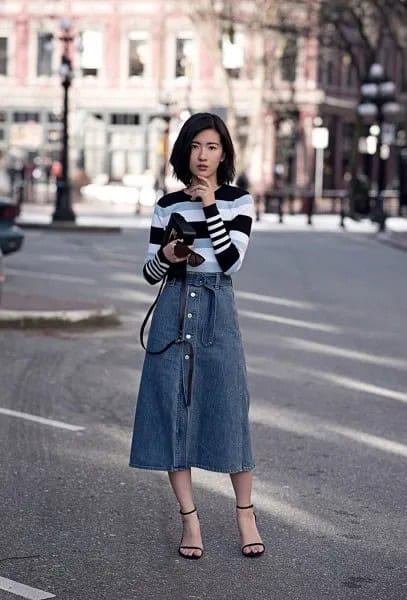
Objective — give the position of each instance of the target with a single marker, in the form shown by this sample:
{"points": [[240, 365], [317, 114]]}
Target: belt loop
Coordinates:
{"points": [[217, 282], [208, 333]]}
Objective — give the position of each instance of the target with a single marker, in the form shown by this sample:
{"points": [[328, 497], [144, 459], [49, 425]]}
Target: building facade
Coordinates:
{"points": [[136, 62]]}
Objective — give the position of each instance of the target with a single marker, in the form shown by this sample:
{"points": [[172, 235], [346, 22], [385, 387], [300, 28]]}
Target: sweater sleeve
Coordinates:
{"points": [[156, 265], [230, 246], [155, 269]]}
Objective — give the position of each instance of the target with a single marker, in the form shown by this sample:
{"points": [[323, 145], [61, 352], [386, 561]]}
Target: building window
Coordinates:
{"points": [[137, 54], [125, 119], [54, 136], [45, 48], [183, 56], [91, 48], [233, 53], [3, 55], [403, 70], [53, 117], [330, 72], [23, 117], [3, 116], [321, 70], [348, 71], [288, 60]]}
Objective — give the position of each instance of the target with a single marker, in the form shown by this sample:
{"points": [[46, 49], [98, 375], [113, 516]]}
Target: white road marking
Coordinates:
{"points": [[358, 385], [25, 591], [275, 300], [42, 420], [293, 322], [51, 276]]}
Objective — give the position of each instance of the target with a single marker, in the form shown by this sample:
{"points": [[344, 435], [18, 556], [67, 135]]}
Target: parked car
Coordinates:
{"points": [[11, 236]]}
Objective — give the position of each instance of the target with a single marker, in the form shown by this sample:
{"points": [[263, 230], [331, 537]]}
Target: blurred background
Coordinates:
{"points": [[95, 91]]}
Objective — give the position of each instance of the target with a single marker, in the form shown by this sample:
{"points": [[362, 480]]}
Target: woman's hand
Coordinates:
{"points": [[169, 253], [202, 188]]}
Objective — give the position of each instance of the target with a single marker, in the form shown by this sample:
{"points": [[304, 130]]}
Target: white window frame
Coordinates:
{"points": [[185, 35], [55, 42], [100, 69], [234, 53], [138, 35], [46, 26]]}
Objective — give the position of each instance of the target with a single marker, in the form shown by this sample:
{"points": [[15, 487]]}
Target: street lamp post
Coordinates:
{"points": [[63, 205], [164, 115], [320, 141], [378, 105]]}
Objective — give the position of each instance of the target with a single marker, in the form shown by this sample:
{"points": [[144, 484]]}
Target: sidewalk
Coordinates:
{"points": [[22, 311], [96, 216]]}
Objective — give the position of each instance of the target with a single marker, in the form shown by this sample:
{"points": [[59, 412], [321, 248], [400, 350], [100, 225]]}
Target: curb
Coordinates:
{"points": [[40, 319], [390, 240], [71, 227]]}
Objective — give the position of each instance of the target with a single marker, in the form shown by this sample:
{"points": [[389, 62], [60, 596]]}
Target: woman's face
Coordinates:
{"points": [[206, 154]]}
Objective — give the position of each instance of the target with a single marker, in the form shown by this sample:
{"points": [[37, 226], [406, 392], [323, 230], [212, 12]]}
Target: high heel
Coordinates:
{"points": [[251, 554], [190, 556]]}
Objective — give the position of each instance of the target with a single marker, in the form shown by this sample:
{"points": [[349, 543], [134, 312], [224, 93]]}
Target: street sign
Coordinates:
{"points": [[320, 138], [388, 133]]}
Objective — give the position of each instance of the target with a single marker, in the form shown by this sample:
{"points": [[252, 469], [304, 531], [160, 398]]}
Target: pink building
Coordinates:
{"points": [[131, 59]]}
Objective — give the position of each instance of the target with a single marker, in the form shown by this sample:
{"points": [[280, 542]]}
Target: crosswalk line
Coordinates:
{"points": [[24, 591], [42, 420]]}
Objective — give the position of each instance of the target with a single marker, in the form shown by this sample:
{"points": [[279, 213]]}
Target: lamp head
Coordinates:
{"points": [[65, 24], [376, 72]]}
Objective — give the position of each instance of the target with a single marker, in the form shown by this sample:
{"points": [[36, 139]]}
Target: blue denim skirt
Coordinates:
{"points": [[193, 402]]}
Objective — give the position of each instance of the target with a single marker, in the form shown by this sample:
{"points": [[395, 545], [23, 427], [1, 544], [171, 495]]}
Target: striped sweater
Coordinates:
{"points": [[223, 231]]}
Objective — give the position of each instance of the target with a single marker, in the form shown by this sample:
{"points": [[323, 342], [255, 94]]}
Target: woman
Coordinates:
{"points": [[192, 408]]}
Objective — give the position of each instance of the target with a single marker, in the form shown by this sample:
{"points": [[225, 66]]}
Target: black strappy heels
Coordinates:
{"points": [[190, 556], [251, 554]]}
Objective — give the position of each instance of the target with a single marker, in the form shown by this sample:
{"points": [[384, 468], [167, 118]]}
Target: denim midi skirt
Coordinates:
{"points": [[193, 402]]}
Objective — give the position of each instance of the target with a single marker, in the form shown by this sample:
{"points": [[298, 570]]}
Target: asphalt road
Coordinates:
{"points": [[323, 318]]}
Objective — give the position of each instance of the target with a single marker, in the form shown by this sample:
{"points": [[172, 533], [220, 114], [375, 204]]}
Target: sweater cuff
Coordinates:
{"points": [[210, 211], [162, 257]]}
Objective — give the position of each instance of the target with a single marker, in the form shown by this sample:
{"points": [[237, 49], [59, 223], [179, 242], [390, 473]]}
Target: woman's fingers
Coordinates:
{"points": [[169, 252]]}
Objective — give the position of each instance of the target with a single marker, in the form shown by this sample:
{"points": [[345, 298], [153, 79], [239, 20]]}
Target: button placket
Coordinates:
{"points": [[190, 333], [190, 322]]}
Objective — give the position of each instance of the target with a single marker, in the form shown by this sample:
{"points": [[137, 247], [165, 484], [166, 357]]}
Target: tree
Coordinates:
{"points": [[219, 22], [363, 29], [366, 31]]}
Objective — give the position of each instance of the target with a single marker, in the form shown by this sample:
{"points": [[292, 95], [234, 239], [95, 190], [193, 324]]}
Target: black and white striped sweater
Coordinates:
{"points": [[223, 231]]}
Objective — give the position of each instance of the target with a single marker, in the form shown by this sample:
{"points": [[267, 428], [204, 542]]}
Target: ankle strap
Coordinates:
{"points": [[187, 513], [244, 507]]}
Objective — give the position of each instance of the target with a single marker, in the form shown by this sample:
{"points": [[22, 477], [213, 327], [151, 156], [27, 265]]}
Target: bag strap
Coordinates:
{"points": [[147, 317]]}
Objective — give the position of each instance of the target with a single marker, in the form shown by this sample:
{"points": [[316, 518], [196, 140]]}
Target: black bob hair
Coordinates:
{"points": [[181, 151]]}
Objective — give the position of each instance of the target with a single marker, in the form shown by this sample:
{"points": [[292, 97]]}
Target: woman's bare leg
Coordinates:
{"points": [[242, 485], [181, 483]]}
